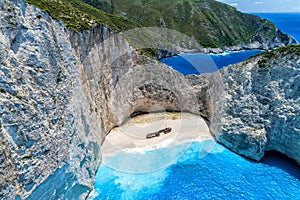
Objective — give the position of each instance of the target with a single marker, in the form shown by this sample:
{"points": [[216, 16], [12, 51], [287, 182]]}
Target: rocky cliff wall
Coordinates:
{"points": [[61, 93], [259, 108], [48, 132]]}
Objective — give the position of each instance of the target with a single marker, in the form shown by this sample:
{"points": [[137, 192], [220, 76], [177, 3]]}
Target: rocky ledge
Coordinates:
{"points": [[259, 108], [61, 92]]}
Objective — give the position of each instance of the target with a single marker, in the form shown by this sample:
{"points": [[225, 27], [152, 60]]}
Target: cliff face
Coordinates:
{"points": [[61, 92], [49, 132], [259, 108]]}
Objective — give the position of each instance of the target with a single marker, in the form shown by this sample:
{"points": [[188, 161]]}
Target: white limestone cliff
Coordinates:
{"points": [[260, 105], [61, 92]]}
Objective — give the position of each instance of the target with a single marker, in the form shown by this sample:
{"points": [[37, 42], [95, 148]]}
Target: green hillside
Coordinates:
{"points": [[211, 23], [79, 15], [269, 58]]}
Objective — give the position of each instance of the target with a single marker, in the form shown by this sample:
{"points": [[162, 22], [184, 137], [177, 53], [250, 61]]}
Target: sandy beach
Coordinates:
{"points": [[132, 134]]}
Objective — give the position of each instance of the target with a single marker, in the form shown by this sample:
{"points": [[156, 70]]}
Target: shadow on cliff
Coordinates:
{"points": [[281, 161]]}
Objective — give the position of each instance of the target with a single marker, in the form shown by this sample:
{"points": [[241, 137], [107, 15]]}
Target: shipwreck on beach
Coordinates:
{"points": [[157, 133]]}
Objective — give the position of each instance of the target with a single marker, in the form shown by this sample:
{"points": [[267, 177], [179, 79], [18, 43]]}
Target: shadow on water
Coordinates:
{"points": [[281, 161]]}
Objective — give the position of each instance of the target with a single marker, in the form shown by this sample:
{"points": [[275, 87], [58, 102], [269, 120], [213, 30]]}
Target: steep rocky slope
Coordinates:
{"points": [[62, 91], [260, 106], [48, 131]]}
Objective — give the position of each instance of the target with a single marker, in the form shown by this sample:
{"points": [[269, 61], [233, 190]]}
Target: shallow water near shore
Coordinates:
{"points": [[201, 169], [199, 173]]}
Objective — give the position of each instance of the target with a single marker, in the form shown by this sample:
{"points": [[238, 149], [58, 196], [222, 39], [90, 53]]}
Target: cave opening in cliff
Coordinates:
{"points": [[281, 161]]}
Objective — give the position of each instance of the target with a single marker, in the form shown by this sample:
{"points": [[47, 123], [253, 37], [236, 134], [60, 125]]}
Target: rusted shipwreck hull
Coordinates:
{"points": [[157, 133]]}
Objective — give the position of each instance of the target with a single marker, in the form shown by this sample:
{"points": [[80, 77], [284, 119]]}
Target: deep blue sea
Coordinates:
{"points": [[202, 169], [287, 22], [197, 63]]}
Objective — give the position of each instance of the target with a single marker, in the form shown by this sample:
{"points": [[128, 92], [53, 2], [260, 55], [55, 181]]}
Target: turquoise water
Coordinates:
{"points": [[197, 172], [201, 170]]}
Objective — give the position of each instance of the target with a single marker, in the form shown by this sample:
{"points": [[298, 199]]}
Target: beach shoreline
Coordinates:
{"points": [[185, 127]]}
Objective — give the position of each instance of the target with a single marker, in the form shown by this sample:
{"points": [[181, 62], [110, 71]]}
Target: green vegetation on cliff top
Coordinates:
{"points": [[211, 23], [79, 15], [268, 58]]}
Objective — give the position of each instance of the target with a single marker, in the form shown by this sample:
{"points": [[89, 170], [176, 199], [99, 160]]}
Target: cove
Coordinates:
{"points": [[198, 63], [205, 170]]}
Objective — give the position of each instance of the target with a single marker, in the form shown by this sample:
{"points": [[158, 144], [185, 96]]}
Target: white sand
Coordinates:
{"points": [[132, 134]]}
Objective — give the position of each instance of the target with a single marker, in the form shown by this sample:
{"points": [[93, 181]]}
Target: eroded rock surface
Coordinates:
{"points": [[61, 92], [260, 107], [48, 133]]}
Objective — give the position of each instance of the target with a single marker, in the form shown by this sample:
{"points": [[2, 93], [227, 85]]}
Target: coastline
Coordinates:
{"points": [[209, 51], [132, 135]]}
